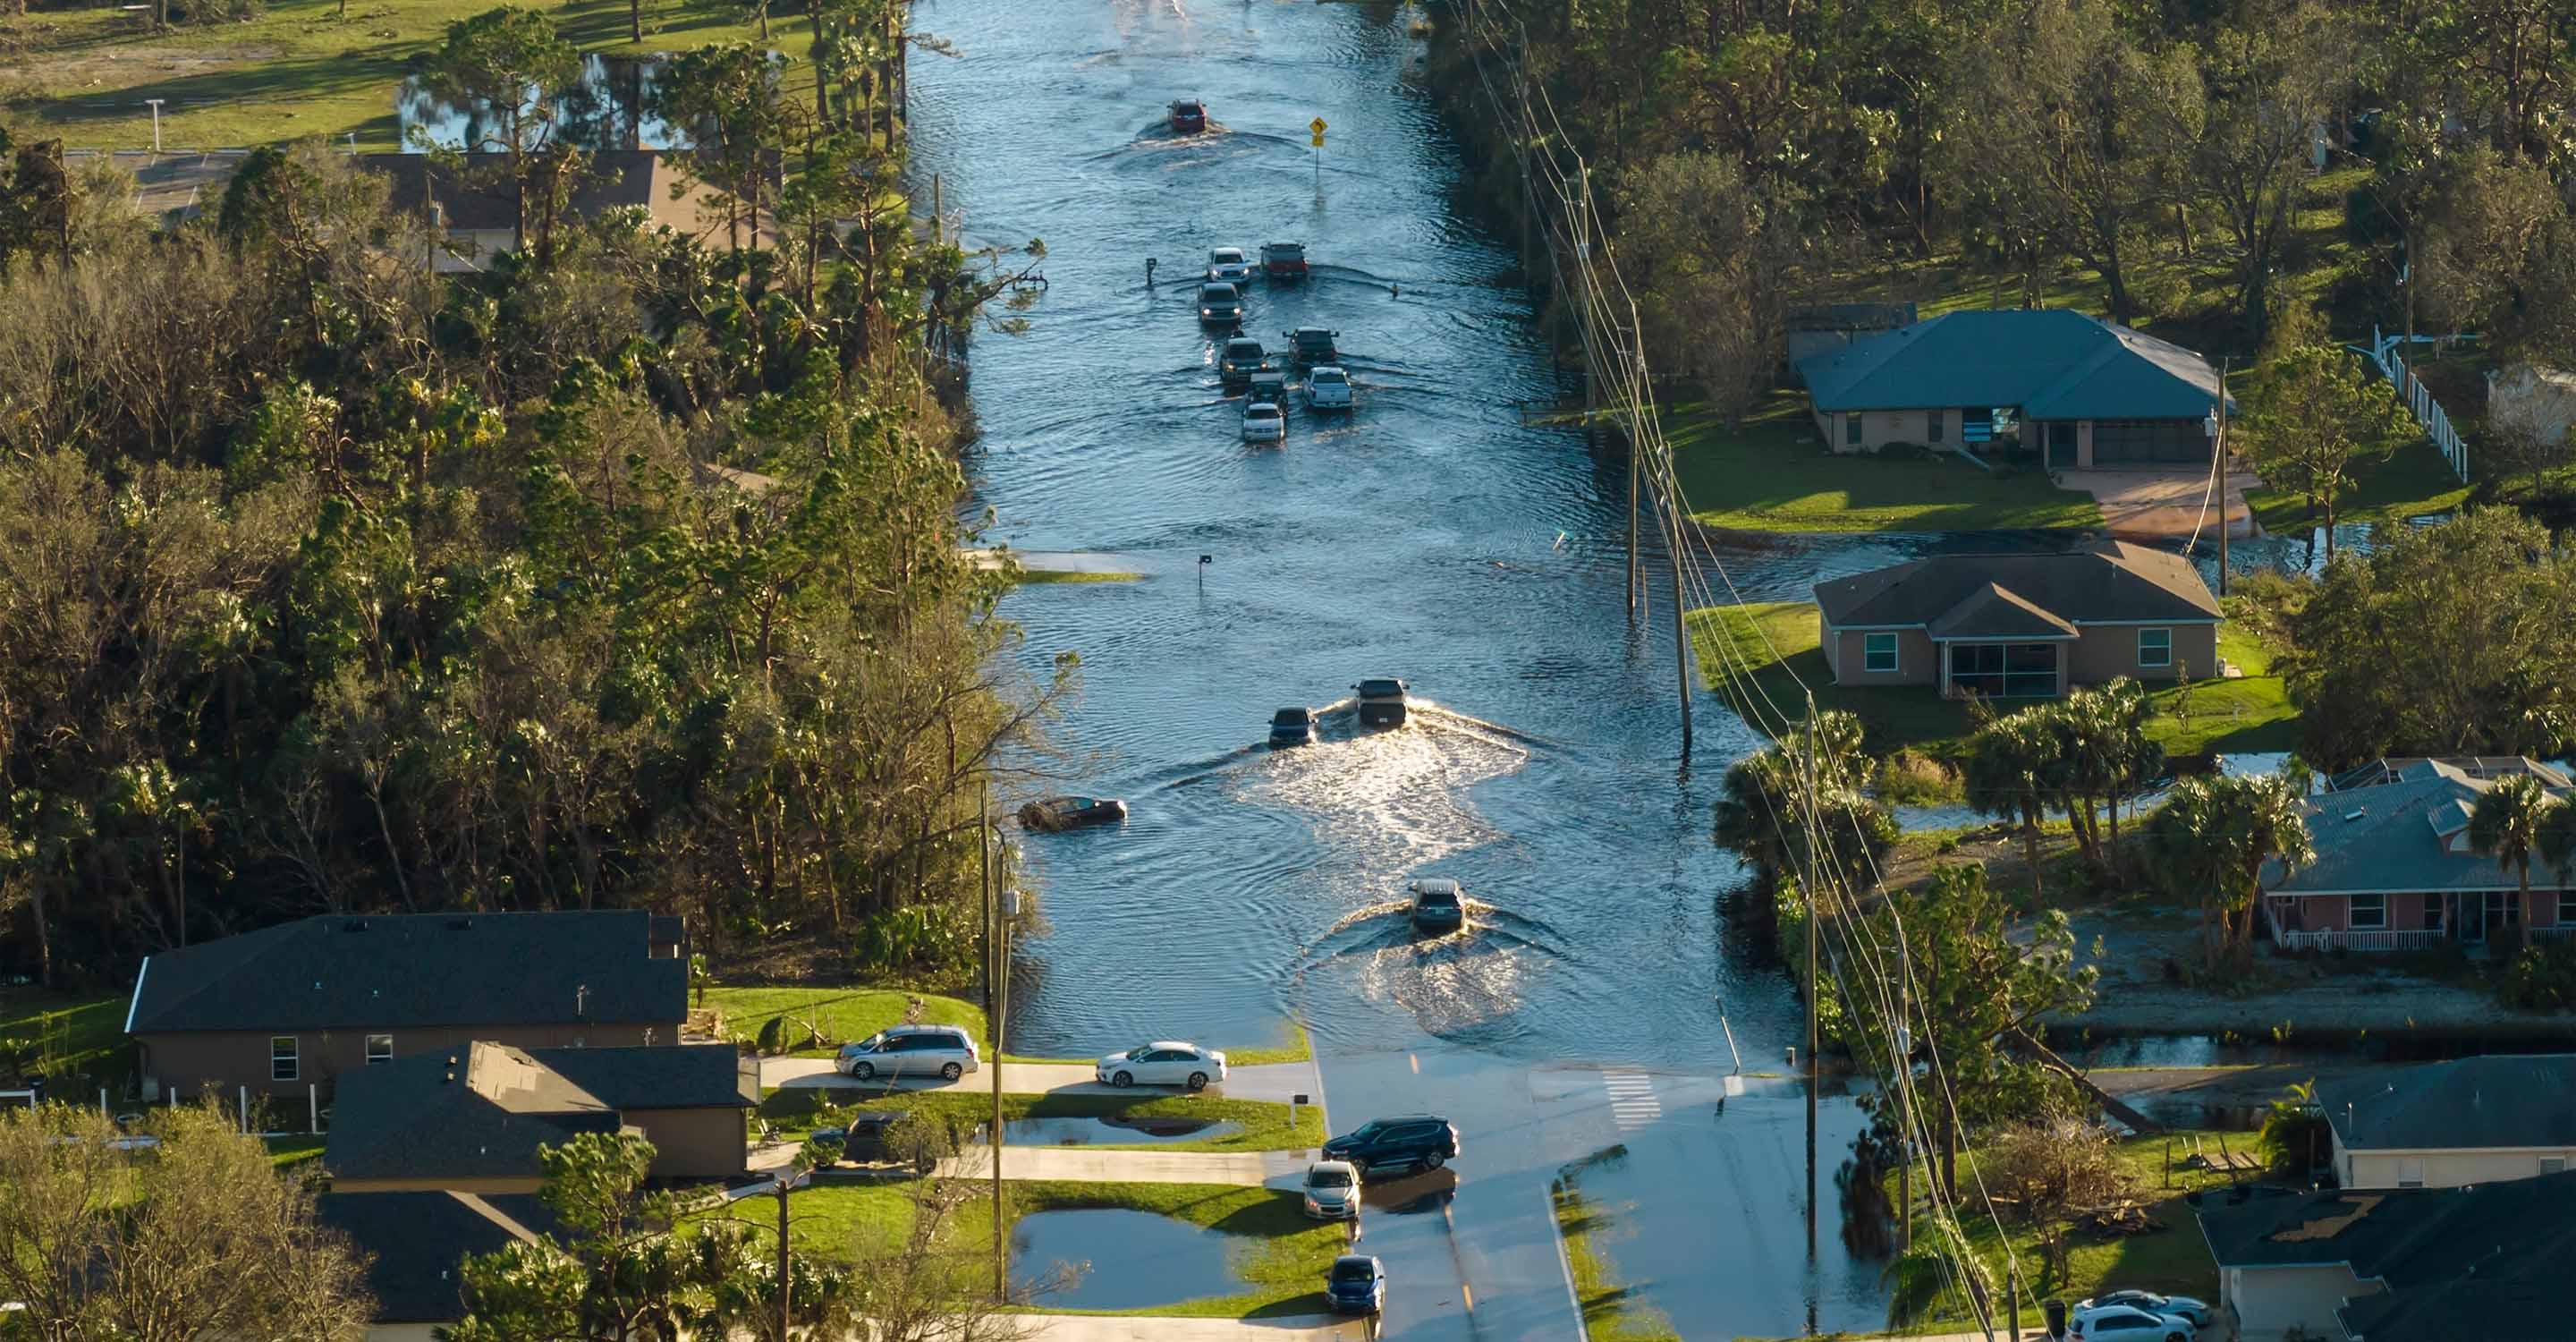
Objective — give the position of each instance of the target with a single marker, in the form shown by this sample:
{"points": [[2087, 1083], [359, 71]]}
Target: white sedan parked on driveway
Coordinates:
{"points": [[1164, 1063]]}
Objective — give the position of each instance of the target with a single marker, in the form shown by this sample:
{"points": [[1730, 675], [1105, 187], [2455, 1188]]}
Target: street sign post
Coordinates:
{"points": [[1316, 129]]}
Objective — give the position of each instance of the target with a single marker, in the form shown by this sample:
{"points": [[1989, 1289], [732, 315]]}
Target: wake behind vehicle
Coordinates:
{"points": [[1381, 701], [1292, 727], [1438, 906], [1283, 260], [1407, 1142], [1164, 1063], [899, 1051], [1267, 383], [1188, 116], [1220, 304], [1313, 345], [1356, 1284], [1227, 264], [1056, 814], [1239, 360], [1328, 388], [1264, 422]]}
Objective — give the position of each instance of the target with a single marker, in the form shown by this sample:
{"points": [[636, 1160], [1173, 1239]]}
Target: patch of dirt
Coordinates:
{"points": [[2335, 997]]}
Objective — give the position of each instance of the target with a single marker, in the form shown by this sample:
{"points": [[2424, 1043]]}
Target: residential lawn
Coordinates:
{"points": [[839, 1220], [293, 1149], [1766, 649], [845, 1014], [67, 1040], [2172, 1261], [1611, 1311], [797, 1110], [1775, 475], [300, 69], [2413, 483], [1279, 1254]]}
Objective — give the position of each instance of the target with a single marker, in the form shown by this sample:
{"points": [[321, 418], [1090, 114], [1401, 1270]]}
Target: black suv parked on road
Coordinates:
{"points": [[1395, 1143]]}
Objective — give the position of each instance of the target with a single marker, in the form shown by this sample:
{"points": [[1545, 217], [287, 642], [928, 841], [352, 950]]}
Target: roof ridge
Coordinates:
{"points": [[275, 936]]}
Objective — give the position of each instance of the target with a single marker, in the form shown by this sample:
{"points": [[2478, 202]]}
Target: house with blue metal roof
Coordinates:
{"points": [[2081, 393]]}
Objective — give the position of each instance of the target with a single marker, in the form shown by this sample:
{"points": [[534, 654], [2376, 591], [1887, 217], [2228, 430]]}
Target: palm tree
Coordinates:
{"points": [[2010, 775], [2213, 837], [2507, 824], [1762, 812]]}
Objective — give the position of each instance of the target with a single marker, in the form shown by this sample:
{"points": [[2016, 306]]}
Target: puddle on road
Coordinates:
{"points": [[1121, 1259], [1115, 1130]]}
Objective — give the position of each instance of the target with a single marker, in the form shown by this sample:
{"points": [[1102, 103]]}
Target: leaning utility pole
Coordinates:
{"points": [[1904, 1078], [1815, 929], [1681, 634]]}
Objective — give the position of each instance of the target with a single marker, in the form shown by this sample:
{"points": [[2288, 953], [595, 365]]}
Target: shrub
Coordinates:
{"points": [[2056, 1167], [1911, 778], [2540, 978]]}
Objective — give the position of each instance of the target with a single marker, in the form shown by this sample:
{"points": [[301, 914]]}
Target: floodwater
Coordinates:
{"points": [[1428, 535], [1116, 1131], [1113, 1258], [607, 108]]}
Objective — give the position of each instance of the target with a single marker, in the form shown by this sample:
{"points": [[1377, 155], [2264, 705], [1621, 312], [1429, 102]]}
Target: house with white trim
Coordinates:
{"points": [[2395, 871], [2450, 1124]]}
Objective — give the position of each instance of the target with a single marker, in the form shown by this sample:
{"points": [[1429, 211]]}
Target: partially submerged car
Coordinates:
{"points": [[1292, 727], [1063, 813], [1239, 360], [1228, 264], [1381, 701], [1188, 116], [1264, 422], [1220, 304], [1438, 905], [1283, 260], [1328, 388], [1312, 345]]}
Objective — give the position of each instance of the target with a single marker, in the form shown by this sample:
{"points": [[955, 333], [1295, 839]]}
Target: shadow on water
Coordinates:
{"points": [[1122, 1259]]}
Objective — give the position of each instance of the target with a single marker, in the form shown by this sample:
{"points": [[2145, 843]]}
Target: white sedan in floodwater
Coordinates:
{"points": [[1164, 1063]]}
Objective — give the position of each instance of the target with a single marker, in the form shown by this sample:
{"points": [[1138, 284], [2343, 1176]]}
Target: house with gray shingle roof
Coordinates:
{"points": [[2395, 870], [287, 1010], [2082, 393], [474, 1119], [2029, 625], [2447, 1124]]}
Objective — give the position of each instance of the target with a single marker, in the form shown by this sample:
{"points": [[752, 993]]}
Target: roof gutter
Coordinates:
{"points": [[135, 1003]]}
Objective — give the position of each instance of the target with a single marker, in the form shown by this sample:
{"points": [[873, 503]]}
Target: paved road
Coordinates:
{"points": [[1277, 1082]]}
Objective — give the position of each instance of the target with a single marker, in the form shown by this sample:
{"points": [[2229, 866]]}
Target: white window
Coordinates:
{"points": [[380, 1048], [281, 1057], [2553, 1164], [2155, 647], [1878, 652], [2410, 1172]]}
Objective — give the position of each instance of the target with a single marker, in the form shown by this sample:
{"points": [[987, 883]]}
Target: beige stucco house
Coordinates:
{"points": [[2079, 393], [2027, 625], [2450, 1124]]}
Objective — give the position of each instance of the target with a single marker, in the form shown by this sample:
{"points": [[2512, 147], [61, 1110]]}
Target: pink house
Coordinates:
{"points": [[2395, 870]]}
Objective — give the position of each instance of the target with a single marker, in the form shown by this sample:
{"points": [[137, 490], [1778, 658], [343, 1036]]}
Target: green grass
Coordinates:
{"points": [[2414, 482], [1611, 1311], [67, 1039], [845, 1014], [293, 1149], [2173, 1261], [1775, 475], [1280, 1255], [1030, 577], [801, 1109], [299, 69], [839, 1221], [2249, 715]]}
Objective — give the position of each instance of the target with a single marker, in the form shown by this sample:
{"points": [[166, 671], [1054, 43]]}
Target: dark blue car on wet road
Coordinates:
{"points": [[1409, 1141], [1356, 1285]]}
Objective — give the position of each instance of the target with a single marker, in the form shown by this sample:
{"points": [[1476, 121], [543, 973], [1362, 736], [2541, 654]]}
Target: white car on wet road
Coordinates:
{"points": [[1331, 1190], [1164, 1063], [1328, 388], [1228, 265], [1264, 422]]}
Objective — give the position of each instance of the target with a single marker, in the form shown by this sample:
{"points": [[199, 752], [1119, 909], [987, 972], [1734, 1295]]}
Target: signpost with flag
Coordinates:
{"points": [[1316, 129]]}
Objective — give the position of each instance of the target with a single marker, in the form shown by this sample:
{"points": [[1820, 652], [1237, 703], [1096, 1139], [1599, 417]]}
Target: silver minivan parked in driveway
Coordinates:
{"points": [[909, 1050]]}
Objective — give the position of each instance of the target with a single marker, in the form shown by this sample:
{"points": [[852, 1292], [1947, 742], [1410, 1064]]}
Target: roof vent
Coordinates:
{"points": [[2355, 813], [460, 924], [354, 925]]}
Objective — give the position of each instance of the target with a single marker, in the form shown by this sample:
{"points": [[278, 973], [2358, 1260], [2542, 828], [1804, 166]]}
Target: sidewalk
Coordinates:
{"points": [[1245, 1169], [1276, 1082], [1133, 1328]]}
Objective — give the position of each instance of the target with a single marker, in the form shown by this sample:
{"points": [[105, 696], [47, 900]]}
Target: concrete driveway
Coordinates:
{"points": [[2155, 505], [1276, 1082]]}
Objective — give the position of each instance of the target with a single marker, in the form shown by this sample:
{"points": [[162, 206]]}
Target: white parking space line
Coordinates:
{"points": [[1632, 1099]]}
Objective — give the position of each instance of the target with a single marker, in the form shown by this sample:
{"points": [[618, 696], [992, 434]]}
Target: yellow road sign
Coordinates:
{"points": [[1319, 139], [1316, 126]]}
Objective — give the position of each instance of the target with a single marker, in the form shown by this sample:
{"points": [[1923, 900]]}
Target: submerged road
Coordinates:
{"points": [[1431, 535]]}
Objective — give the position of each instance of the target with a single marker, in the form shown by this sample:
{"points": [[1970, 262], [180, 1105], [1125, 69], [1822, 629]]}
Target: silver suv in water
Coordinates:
{"points": [[1382, 701]]}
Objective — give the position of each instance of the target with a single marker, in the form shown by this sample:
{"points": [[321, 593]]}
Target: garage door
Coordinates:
{"points": [[2149, 442]]}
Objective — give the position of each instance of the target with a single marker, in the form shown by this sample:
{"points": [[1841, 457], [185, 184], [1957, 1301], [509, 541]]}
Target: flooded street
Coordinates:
{"points": [[1431, 536]]}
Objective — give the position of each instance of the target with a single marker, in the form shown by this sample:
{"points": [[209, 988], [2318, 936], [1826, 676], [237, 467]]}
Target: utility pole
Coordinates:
{"points": [[1815, 929], [996, 1004], [984, 883], [1904, 1068], [1634, 448], [1681, 634], [2223, 362], [785, 1182]]}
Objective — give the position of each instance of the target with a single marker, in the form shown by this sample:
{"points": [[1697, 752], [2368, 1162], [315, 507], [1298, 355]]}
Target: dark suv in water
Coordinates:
{"points": [[1381, 701], [1413, 1140]]}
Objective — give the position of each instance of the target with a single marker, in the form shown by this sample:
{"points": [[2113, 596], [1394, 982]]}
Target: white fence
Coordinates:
{"points": [[2365, 939], [2427, 411]]}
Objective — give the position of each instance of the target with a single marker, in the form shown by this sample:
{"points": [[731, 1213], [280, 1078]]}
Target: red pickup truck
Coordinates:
{"points": [[1283, 260], [1189, 116]]}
